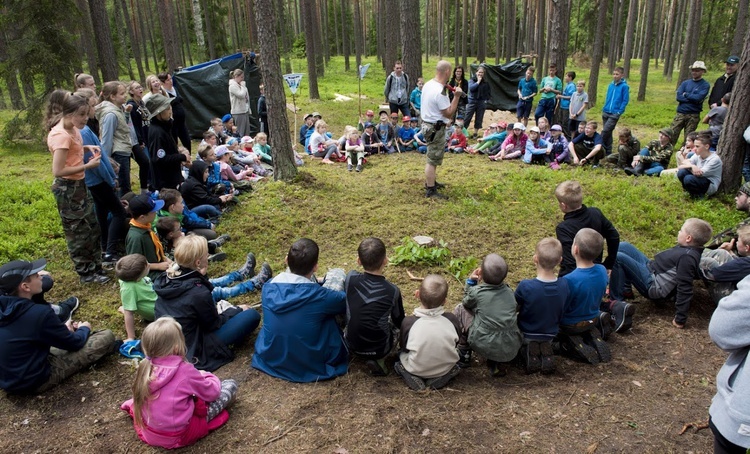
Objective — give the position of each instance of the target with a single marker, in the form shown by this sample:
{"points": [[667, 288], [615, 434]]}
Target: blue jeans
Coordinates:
{"points": [[652, 168], [545, 108], [695, 186], [631, 268], [207, 211], [222, 291], [123, 176], [239, 327]]}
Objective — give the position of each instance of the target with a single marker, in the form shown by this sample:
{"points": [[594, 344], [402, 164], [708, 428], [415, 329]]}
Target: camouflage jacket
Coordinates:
{"points": [[658, 153], [726, 235]]}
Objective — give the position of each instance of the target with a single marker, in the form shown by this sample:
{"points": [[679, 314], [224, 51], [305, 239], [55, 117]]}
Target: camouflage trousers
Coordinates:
{"points": [[710, 259], [688, 122], [82, 233], [64, 364]]}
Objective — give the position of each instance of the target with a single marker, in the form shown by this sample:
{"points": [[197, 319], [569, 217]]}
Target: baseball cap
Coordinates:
{"points": [[406, 118], [221, 150], [246, 139], [382, 112], [13, 273], [733, 60], [368, 125], [232, 141], [556, 128], [519, 126], [144, 204], [502, 125], [157, 104], [226, 118], [534, 129], [394, 114]]}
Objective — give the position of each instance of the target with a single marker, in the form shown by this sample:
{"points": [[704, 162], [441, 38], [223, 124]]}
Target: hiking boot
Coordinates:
{"points": [[377, 367], [496, 369], [604, 324], [220, 240], [65, 309], [218, 257], [601, 347], [432, 193], [439, 185], [412, 381], [359, 168], [464, 358], [533, 357], [94, 278], [577, 348], [264, 275], [440, 382], [623, 315], [548, 358], [248, 269], [349, 167]]}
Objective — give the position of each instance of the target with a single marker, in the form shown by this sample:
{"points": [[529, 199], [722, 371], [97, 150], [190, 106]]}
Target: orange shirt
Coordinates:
{"points": [[58, 138]]}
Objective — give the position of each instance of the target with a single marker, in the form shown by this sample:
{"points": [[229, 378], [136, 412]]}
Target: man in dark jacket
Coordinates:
{"points": [[166, 159], [39, 350]]}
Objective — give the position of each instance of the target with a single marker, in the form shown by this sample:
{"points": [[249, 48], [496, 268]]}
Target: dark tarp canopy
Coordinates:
{"points": [[205, 90], [503, 80]]}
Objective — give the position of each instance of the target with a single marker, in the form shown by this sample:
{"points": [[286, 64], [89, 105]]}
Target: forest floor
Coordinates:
{"points": [[660, 377]]}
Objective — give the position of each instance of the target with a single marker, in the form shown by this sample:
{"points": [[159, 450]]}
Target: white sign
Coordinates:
{"points": [[293, 81], [363, 70]]}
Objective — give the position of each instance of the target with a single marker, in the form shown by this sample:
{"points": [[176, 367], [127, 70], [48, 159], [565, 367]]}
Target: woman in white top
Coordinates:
{"points": [[240, 102]]}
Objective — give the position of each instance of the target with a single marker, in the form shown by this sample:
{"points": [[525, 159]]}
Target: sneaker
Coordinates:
{"points": [[533, 358], [464, 358], [377, 367], [349, 167], [65, 309], [412, 381], [577, 348], [432, 193], [548, 358], [264, 275], [220, 240], [218, 257], [359, 168], [248, 269], [623, 315], [94, 278], [601, 347], [440, 382], [604, 324]]}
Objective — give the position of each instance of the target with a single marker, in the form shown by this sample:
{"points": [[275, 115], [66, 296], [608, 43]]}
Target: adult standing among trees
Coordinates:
{"points": [[239, 100], [179, 126], [153, 85], [618, 96], [459, 80], [66, 116], [690, 96], [396, 90], [437, 110], [725, 83], [479, 94], [83, 80]]}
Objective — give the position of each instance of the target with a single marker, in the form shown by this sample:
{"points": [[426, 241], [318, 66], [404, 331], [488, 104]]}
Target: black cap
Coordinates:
{"points": [[13, 273], [733, 60], [144, 204]]}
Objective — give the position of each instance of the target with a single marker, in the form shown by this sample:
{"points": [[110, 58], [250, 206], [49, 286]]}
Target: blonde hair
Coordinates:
{"points": [[216, 121], [86, 93], [699, 229], [548, 253], [111, 88], [433, 291], [149, 80], [570, 193], [161, 338], [237, 72], [188, 251], [319, 124], [81, 78], [743, 233], [261, 135]]}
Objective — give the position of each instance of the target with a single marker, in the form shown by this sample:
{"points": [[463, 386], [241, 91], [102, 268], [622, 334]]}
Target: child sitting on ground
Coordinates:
{"points": [[628, 147], [386, 133], [457, 141], [371, 140], [560, 153], [190, 221], [136, 291], [671, 270], [722, 269], [174, 404], [300, 340], [197, 196], [244, 154], [653, 158], [537, 149], [487, 316], [406, 136], [141, 238], [429, 339], [354, 149], [514, 144], [494, 136], [700, 175], [214, 182], [262, 149], [583, 327], [217, 127], [541, 302], [210, 139], [241, 181], [374, 308], [683, 155]]}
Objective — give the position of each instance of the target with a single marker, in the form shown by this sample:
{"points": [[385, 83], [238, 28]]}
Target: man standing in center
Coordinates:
{"points": [[618, 95], [437, 110], [396, 90]]}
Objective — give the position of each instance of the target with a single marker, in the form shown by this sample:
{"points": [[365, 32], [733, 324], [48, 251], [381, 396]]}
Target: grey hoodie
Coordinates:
{"points": [[730, 330]]}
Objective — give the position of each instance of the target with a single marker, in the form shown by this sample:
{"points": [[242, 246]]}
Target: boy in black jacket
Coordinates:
{"points": [[166, 160], [670, 271]]}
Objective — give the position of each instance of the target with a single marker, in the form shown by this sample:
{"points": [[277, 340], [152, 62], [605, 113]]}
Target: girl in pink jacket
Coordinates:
{"points": [[174, 404]]}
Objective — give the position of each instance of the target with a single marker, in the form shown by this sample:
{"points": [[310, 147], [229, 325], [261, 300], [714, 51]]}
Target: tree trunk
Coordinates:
{"points": [[647, 46], [392, 27], [133, 40], [10, 76], [318, 40], [345, 33], [629, 34], [558, 44], [411, 41], [498, 30], [510, 21], [103, 37], [614, 39], [86, 40], [740, 28], [732, 146], [200, 39], [357, 35], [676, 38], [185, 41], [464, 34], [169, 35], [120, 33], [596, 59], [457, 45], [308, 17], [690, 51], [667, 44], [209, 31]]}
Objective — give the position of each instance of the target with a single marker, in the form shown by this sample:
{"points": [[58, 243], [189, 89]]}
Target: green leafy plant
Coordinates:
{"points": [[461, 268], [411, 253]]}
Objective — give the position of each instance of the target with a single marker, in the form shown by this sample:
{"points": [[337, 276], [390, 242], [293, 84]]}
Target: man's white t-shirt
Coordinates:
{"points": [[434, 101]]}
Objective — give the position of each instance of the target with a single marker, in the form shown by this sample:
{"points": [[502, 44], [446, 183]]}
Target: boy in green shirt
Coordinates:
{"points": [[136, 291]]}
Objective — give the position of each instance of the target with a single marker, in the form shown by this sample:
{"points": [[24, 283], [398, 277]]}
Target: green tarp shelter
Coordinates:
{"points": [[503, 80], [205, 90]]}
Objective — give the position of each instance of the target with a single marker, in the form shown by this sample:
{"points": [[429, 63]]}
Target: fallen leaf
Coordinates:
{"points": [[425, 432], [83, 399], [25, 422], [341, 451], [637, 383], [592, 448]]}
